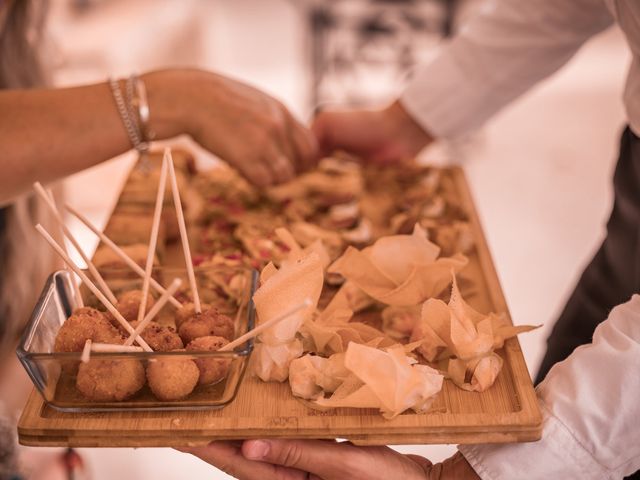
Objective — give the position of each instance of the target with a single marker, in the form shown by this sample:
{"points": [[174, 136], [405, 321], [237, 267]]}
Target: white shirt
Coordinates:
{"points": [[591, 409], [591, 401], [508, 48]]}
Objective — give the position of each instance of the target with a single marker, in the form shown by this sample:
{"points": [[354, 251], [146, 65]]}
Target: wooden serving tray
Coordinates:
{"points": [[507, 412]]}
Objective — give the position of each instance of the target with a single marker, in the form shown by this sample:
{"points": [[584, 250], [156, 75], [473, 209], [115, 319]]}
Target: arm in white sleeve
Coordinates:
{"points": [[497, 56], [591, 411]]}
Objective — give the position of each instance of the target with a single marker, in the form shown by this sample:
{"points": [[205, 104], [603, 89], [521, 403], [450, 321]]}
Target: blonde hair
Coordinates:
{"points": [[25, 262]]}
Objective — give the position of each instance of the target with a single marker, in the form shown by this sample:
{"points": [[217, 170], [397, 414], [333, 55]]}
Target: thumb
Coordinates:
{"points": [[321, 129], [324, 458], [330, 460], [423, 462], [356, 131]]}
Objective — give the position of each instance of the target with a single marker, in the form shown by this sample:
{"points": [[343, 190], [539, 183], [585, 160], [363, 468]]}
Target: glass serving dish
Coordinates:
{"points": [[51, 373]]}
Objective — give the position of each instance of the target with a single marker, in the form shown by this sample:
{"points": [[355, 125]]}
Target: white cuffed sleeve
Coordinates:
{"points": [[591, 409], [497, 56]]}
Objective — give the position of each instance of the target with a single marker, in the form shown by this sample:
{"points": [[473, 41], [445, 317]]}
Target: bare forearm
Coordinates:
{"points": [[46, 134], [49, 133]]}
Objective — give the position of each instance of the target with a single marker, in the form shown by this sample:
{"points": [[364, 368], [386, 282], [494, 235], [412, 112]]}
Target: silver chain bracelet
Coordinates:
{"points": [[136, 97]]}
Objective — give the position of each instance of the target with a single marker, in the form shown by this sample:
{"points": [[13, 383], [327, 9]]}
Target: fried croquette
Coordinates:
{"points": [[224, 305], [187, 311], [80, 327], [129, 303], [90, 311], [172, 378], [108, 380], [212, 370], [159, 337], [209, 322]]}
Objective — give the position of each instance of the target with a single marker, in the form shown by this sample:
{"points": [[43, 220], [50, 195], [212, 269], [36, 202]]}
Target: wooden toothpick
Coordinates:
{"points": [[90, 266], [121, 253], [261, 328], [95, 290], [183, 232], [153, 240], [154, 310]]}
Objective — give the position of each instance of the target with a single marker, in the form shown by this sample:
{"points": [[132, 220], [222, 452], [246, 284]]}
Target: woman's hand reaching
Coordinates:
{"points": [[250, 130], [47, 134]]}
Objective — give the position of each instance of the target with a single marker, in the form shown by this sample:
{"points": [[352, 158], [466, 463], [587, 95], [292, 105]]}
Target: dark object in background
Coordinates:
{"points": [[363, 50], [614, 273]]}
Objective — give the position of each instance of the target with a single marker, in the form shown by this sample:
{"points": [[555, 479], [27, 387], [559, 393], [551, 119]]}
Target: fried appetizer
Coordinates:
{"points": [[87, 324], [225, 194], [183, 160], [108, 380], [129, 304], [90, 311], [131, 228], [212, 370], [172, 378], [187, 311], [159, 337], [256, 232], [141, 186], [106, 259], [209, 322]]}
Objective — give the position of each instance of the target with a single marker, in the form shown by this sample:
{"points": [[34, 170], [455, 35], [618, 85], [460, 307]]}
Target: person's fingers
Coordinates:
{"points": [[356, 131], [277, 128], [312, 459], [277, 162], [321, 129], [287, 149], [283, 168], [308, 455], [305, 145], [257, 173], [227, 457], [330, 460], [423, 462]]}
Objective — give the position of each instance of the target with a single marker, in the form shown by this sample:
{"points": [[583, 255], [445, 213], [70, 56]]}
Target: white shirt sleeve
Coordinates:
{"points": [[591, 410], [497, 56]]}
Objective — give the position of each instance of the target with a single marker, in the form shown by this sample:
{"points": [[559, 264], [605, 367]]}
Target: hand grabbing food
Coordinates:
{"points": [[384, 136], [247, 128]]}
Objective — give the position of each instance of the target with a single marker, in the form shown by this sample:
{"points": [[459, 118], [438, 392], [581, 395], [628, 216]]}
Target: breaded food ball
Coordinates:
{"points": [[212, 370], [187, 311], [90, 311], [80, 327], [108, 380], [159, 337], [129, 304], [109, 263], [172, 378], [209, 322], [224, 305]]}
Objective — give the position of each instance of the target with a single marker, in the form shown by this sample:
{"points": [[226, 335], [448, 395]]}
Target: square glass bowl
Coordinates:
{"points": [[53, 373]]}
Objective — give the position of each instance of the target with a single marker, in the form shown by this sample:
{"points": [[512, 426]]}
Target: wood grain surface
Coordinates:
{"points": [[507, 412]]}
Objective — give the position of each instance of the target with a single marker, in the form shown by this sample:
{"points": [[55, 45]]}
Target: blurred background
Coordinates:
{"points": [[540, 171]]}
